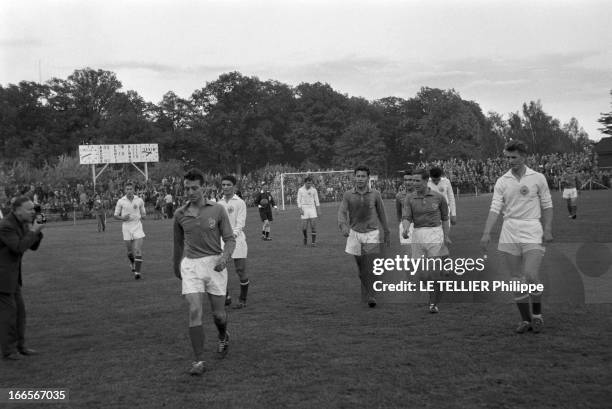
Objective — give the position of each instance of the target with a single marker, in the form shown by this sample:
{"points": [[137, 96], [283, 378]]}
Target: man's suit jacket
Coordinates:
{"points": [[15, 239]]}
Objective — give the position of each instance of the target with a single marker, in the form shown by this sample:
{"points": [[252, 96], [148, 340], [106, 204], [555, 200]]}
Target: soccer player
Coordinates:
{"points": [[442, 185], [168, 205], [130, 209], [570, 192], [200, 263], [359, 216], [265, 203], [428, 210], [236, 211], [100, 213], [308, 203], [523, 196], [405, 189]]}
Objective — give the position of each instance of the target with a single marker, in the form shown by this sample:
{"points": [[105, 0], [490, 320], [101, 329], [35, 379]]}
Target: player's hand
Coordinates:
{"points": [[178, 275], [484, 242], [345, 231], [221, 265], [447, 240], [453, 220], [36, 227], [405, 234], [548, 237], [126, 217]]}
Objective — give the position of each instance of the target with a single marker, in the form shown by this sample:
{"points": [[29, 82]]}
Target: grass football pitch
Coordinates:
{"points": [[305, 340]]}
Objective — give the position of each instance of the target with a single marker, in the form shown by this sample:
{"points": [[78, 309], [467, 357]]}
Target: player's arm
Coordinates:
{"points": [[398, 209], [299, 201], [317, 203], [343, 219], [497, 203], [382, 216], [407, 216], [117, 214], [444, 216], [179, 237], [143, 211], [547, 209], [452, 206], [225, 228], [241, 213]]}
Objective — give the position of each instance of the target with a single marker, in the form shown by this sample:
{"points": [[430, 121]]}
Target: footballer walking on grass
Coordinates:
{"points": [[308, 203], [130, 209], [236, 211], [359, 216], [523, 196], [428, 211], [265, 203], [200, 263]]}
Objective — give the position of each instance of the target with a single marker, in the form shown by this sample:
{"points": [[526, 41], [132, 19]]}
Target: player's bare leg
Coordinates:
{"points": [[130, 254], [137, 246], [532, 260], [513, 267], [240, 264], [196, 331], [313, 231], [217, 304]]}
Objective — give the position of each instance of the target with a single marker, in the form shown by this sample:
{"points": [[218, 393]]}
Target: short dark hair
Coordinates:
{"points": [[421, 172], [19, 200], [362, 168], [308, 179], [129, 183], [194, 174], [516, 145], [229, 178], [435, 172]]}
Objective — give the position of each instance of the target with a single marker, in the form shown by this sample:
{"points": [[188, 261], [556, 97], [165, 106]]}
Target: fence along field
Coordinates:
{"points": [[305, 340]]}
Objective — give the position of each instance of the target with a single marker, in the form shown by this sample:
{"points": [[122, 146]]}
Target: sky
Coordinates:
{"points": [[499, 54]]}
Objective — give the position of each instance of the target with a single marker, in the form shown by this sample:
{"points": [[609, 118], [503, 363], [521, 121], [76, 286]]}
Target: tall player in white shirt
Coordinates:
{"points": [[523, 196], [130, 209], [442, 185], [236, 210], [308, 203]]}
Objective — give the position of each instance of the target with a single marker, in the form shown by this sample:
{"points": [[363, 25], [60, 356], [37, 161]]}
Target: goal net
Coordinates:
{"points": [[330, 185]]}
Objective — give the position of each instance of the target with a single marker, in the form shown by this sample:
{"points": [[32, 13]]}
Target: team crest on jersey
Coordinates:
{"points": [[230, 209], [211, 223], [135, 207], [434, 206], [441, 189], [524, 190]]}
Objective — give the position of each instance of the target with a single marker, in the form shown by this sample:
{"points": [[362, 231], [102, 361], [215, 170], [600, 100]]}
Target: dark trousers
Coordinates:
{"points": [[12, 322]]}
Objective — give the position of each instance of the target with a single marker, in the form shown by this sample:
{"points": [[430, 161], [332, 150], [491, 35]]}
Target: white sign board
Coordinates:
{"points": [[100, 154]]}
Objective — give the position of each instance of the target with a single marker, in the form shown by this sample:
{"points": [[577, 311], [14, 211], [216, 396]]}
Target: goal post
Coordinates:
{"points": [[283, 179]]}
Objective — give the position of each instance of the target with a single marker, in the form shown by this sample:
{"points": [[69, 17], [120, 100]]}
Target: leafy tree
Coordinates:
{"points": [[606, 121], [361, 143]]}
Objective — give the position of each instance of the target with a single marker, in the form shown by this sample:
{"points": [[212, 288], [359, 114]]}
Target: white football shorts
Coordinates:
{"points": [[570, 193], [132, 231], [358, 244], [428, 242], [241, 249], [519, 236], [310, 212], [198, 275]]}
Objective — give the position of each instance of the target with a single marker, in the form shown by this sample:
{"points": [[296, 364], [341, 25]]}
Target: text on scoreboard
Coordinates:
{"points": [[96, 154]]}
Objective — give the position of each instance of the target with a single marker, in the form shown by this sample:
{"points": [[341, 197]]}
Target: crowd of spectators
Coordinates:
{"points": [[467, 176]]}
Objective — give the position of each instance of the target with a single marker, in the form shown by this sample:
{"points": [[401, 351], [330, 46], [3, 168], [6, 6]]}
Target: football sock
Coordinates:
{"points": [[574, 210], [244, 289], [221, 326], [196, 335], [314, 237], [305, 233], [522, 302], [263, 233], [267, 234], [131, 258], [137, 263], [536, 303], [569, 207]]}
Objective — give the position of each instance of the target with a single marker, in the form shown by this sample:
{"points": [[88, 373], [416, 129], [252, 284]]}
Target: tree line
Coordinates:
{"points": [[238, 123]]}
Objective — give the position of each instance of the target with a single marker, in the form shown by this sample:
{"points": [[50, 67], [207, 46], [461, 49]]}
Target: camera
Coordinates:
{"points": [[39, 216]]}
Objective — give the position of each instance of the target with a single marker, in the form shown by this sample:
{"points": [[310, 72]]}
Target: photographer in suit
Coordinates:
{"points": [[19, 231]]}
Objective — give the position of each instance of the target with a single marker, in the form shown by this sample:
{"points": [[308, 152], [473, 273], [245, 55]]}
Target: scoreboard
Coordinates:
{"points": [[129, 153]]}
